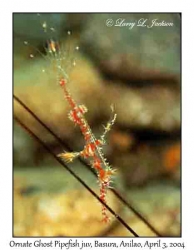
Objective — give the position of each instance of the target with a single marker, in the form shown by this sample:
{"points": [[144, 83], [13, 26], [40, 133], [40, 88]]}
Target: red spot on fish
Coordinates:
{"points": [[62, 82]]}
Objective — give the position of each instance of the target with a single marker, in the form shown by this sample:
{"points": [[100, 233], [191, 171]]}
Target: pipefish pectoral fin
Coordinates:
{"points": [[68, 156]]}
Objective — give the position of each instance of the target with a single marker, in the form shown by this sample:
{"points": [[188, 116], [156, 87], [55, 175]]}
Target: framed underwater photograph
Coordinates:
{"points": [[97, 124]]}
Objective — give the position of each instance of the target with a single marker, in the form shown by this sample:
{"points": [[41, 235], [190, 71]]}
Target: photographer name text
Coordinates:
{"points": [[142, 22]]}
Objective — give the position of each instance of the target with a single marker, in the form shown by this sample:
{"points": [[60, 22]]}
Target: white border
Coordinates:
{"points": [[6, 8]]}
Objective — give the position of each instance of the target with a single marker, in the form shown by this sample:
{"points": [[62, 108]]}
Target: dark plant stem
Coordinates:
{"points": [[66, 146], [77, 177]]}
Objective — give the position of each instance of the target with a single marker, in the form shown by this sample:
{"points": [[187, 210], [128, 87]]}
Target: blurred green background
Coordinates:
{"points": [[137, 69]]}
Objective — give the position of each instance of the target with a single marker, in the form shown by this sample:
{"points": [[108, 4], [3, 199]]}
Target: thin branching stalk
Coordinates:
{"points": [[77, 177], [65, 145]]}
